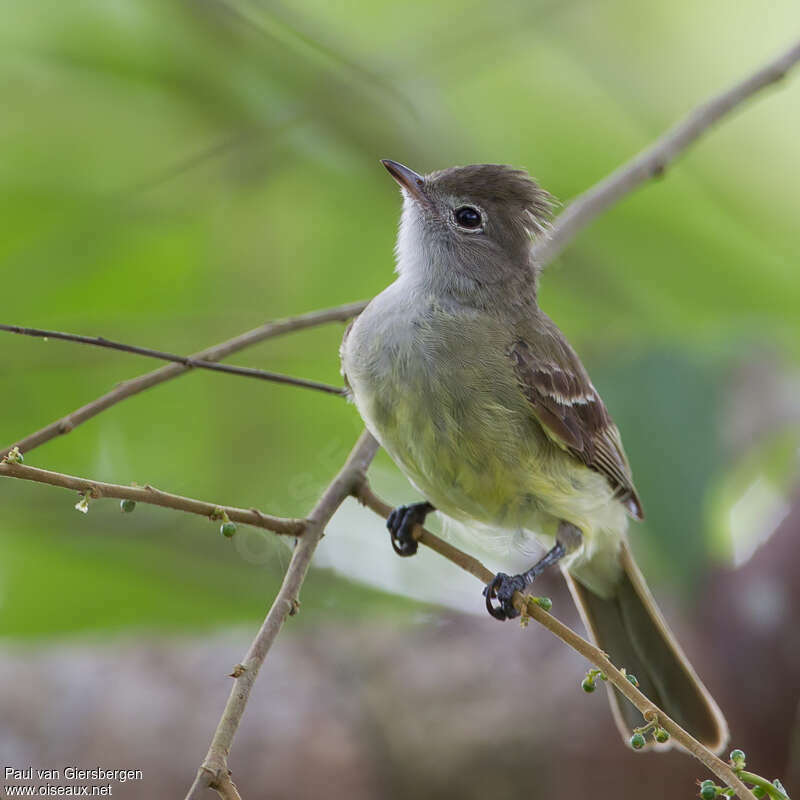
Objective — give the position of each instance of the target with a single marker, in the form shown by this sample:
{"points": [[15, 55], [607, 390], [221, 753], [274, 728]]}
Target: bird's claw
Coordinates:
{"points": [[503, 587], [401, 524]]}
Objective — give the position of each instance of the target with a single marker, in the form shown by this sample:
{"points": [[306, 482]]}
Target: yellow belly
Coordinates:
{"points": [[481, 457]]}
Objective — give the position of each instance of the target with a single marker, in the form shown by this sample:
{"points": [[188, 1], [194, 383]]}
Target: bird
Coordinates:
{"points": [[483, 404]]}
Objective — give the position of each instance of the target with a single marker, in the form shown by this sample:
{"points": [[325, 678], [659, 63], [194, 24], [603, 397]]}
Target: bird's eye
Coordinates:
{"points": [[468, 217]]}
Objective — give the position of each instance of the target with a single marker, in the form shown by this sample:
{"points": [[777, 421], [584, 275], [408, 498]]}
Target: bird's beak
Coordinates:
{"points": [[409, 180]]}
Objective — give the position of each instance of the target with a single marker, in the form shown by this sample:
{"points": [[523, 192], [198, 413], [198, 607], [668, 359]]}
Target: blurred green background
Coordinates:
{"points": [[174, 173]]}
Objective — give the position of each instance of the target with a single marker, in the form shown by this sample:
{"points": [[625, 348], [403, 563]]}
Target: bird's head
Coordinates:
{"points": [[468, 228]]}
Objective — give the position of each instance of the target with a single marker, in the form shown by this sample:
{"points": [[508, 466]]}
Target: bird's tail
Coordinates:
{"points": [[629, 627]]}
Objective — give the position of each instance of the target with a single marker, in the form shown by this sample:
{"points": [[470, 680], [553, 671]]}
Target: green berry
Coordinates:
{"points": [[708, 792], [632, 679], [706, 783], [227, 529], [737, 758], [544, 602], [661, 735], [127, 505], [588, 685], [637, 741]]}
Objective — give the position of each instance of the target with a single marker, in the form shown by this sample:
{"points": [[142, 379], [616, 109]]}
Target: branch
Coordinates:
{"points": [[214, 771], [532, 610], [654, 160], [150, 379], [187, 361], [155, 497]]}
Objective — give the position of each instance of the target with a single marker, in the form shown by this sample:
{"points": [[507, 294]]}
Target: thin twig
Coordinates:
{"points": [[166, 373], [368, 498], [155, 497], [723, 771], [654, 160], [187, 361], [214, 771]]}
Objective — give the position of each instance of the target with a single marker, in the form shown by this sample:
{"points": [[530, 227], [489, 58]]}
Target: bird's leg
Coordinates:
{"points": [[568, 539], [401, 524]]}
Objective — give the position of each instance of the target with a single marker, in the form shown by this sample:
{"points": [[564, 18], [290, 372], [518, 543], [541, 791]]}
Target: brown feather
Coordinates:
{"points": [[568, 406]]}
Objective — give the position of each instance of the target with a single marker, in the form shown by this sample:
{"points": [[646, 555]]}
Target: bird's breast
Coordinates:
{"points": [[435, 388]]}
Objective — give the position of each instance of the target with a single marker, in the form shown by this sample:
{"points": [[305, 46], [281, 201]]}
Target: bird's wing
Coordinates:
{"points": [[568, 407]]}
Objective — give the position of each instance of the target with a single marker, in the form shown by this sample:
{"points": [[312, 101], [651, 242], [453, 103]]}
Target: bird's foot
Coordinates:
{"points": [[401, 523], [502, 588]]}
